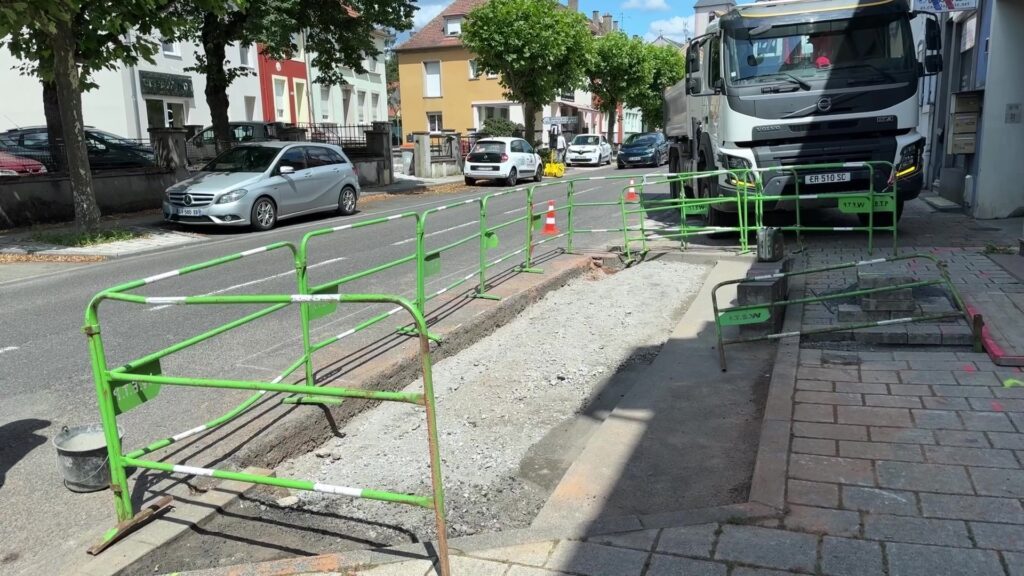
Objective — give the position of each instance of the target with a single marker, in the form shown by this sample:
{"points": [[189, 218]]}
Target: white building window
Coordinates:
{"points": [[434, 123], [325, 103], [474, 72], [485, 112], [453, 26], [432, 79], [361, 107], [245, 55], [170, 48], [300, 48], [375, 107]]}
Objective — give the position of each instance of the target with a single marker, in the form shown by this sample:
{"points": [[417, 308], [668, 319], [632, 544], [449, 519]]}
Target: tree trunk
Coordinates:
{"points": [[612, 108], [530, 123], [215, 47], [54, 130], [65, 72]]}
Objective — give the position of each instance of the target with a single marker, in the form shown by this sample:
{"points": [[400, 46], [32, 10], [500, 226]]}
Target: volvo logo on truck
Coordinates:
{"points": [[825, 104]]}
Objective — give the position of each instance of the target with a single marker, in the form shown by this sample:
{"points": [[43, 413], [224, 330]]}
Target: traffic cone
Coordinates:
{"points": [[550, 228], [631, 195]]}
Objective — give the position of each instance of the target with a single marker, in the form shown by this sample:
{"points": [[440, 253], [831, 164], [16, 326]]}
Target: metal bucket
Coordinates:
{"points": [[82, 457]]}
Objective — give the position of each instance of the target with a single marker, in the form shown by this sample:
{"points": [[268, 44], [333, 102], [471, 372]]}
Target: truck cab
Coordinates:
{"points": [[774, 85]]}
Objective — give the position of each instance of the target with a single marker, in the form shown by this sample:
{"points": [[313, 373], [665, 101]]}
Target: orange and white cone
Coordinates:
{"points": [[631, 195], [550, 227]]}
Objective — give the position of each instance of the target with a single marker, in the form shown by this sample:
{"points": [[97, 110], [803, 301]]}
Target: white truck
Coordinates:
{"points": [[798, 82]]}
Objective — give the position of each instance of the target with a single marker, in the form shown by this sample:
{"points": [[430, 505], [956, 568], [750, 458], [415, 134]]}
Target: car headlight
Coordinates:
{"points": [[6, 172], [910, 159], [233, 196]]}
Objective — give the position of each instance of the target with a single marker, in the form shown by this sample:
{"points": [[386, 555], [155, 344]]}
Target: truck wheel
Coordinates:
{"points": [[715, 217], [883, 218], [675, 188]]}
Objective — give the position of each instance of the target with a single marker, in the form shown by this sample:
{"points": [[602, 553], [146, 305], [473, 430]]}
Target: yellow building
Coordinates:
{"points": [[440, 89]]}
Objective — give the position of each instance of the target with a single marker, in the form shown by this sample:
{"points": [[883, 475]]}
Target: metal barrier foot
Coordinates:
{"points": [[405, 330], [530, 270], [485, 296], [148, 512], [303, 399]]}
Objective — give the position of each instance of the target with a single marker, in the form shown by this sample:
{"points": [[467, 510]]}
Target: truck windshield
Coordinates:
{"points": [[877, 49]]}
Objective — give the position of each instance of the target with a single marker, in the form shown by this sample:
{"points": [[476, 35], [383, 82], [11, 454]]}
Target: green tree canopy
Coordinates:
{"points": [[667, 68], [618, 67], [537, 48]]}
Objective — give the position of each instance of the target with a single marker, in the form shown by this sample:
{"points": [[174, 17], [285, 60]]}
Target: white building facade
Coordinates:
{"points": [[361, 100]]}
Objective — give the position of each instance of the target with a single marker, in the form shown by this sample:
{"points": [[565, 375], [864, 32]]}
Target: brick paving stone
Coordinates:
{"points": [[845, 557], [938, 364], [1015, 392], [931, 477], [1007, 404], [963, 438], [828, 469], [891, 528], [901, 435], [636, 539], [743, 571], [673, 566], [986, 421], [884, 365], [814, 412], [828, 398], [861, 388], [918, 560], [823, 521], [814, 446], [881, 451], [947, 403], [1015, 563], [534, 553], [1007, 440], [937, 419], [595, 560], [977, 378], [910, 389], [812, 493], [693, 541], [476, 566], [970, 456], [833, 431], [927, 377], [923, 335], [767, 547], [530, 571], [879, 500], [833, 374], [815, 385], [998, 482], [892, 401], [1018, 421], [963, 391], [998, 536], [982, 508], [872, 416], [880, 376]]}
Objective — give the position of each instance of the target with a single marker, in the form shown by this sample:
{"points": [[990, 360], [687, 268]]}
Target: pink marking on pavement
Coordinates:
{"points": [[997, 406], [968, 368]]}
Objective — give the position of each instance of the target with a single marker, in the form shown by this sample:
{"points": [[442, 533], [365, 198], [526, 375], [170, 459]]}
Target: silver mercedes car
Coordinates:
{"points": [[260, 183]]}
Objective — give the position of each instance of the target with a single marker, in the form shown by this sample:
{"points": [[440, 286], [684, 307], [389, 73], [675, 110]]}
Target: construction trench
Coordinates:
{"points": [[512, 420]]}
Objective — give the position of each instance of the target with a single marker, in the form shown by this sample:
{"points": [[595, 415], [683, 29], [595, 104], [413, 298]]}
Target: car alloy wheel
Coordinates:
{"points": [[264, 214], [347, 201]]}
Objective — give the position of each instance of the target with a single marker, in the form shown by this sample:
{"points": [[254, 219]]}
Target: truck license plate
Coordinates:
{"points": [[827, 178], [188, 211]]}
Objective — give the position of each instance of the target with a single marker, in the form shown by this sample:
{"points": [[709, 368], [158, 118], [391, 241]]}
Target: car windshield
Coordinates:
{"points": [[642, 139], [493, 146], [585, 140], [113, 138], [243, 159], [877, 47]]}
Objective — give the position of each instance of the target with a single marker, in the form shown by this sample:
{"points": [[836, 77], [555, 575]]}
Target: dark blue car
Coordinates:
{"points": [[644, 149]]}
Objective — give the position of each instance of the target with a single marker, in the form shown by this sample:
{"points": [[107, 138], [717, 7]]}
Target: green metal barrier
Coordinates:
{"points": [[122, 389], [761, 312]]}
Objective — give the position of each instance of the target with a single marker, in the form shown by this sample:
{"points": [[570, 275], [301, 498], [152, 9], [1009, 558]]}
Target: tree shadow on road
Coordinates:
{"points": [[17, 440]]}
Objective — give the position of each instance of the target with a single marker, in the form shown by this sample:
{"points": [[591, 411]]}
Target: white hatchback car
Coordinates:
{"points": [[508, 159], [589, 149]]}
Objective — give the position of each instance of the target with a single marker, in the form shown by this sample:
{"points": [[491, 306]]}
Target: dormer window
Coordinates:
{"points": [[453, 26]]}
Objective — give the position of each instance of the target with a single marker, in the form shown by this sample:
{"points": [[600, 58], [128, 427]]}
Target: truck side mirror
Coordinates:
{"points": [[692, 59], [693, 86], [932, 36], [933, 64]]}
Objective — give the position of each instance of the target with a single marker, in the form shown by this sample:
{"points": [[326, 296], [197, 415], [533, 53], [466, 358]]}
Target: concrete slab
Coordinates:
{"points": [[659, 438]]}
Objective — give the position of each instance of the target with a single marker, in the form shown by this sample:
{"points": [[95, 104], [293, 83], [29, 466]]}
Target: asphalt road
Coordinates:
{"points": [[44, 364]]}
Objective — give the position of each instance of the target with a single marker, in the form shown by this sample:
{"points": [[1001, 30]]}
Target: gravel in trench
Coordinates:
{"points": [[495, 400]]}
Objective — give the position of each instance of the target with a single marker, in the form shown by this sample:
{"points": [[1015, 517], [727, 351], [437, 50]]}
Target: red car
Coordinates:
{"points": [[11, 165]]}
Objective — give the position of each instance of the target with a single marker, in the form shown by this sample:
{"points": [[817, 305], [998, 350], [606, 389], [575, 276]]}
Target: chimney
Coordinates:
{"points": [[615, 25], [607, 27], [596, 18], [574, 5]]}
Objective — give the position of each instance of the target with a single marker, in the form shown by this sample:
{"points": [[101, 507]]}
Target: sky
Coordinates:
{"points": [[645, 18]]}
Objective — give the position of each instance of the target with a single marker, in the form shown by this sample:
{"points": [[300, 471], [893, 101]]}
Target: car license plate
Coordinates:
{"points": [[188, 211], [633, 158], [828, 178], [484, 168]]}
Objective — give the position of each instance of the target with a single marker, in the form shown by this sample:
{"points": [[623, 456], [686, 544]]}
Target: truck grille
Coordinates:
{"points": [[198, 199], [826, 152]]}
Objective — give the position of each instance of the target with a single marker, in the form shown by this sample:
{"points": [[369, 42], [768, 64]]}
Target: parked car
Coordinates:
{"points": [[645, 149], [106, 150], [202, 147], [258, 184], [11, 165], [508, 159], [589, 149]]}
